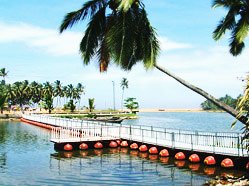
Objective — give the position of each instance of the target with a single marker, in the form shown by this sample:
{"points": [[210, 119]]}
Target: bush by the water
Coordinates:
{"points": [[232, 102]]}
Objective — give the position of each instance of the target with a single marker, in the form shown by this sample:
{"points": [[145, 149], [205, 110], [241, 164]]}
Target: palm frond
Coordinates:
{"points": [[150, 43], [120, 39], [226, 23], [241, 30], [132, 39], [225, 3], [93, 35], [88, 9], [239, 33], [125, 5]]}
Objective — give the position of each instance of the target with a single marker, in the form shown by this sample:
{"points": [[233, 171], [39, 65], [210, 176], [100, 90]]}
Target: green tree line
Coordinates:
{"points": [[47, 95], [232, 102]]}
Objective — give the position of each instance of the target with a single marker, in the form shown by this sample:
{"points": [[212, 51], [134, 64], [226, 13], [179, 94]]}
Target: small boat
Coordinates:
{"points": [[107, 119]]}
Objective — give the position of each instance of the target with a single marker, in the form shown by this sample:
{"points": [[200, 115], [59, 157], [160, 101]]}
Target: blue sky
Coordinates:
{"points": [[31, 48]]}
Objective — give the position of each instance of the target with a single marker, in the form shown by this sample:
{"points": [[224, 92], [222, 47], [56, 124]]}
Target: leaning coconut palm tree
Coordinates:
{"points": [[120, 32], [236, 21], [124, 85]]}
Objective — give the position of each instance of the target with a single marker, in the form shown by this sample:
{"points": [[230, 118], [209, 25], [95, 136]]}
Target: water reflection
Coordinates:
{"points": [[134, 165], [194, 166], [3, 164], [138, 165], [180, 163], [209, 170]]}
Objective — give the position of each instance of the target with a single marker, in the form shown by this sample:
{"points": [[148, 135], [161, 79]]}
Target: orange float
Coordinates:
{"points": [[153, 150], [83, 146], [143, 148], [180, 156], [227, 163], [68, 147], [118, 141], [113, 144], [194, 158], [164, 153], [124, 144], [134, 146], [209, 160], [98, 145], [247, 165]]}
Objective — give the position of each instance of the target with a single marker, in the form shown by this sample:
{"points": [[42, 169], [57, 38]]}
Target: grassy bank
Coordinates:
{"points": [[94, 115]]}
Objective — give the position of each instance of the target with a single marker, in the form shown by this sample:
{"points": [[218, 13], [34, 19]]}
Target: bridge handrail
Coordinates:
{"points": [[216, 142]]}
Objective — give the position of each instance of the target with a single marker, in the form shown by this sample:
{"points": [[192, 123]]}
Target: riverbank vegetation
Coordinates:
{"points": [[210, 106], [24, 95], [97, 114]]}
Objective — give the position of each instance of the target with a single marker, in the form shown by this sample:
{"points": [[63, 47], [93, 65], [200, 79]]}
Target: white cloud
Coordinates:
{"points": [[51, 42], [167, 44], [47, 40]]}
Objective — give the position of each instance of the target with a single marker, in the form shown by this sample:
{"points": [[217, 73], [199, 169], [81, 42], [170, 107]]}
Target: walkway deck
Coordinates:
{"points": [[73, 130]]}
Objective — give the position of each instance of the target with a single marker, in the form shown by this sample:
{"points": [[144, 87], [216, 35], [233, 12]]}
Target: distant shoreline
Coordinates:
{"points": [[178, 110]]}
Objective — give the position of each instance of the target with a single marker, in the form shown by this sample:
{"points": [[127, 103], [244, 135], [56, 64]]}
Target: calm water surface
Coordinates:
{"points": [[28, 158], [201, 121]]}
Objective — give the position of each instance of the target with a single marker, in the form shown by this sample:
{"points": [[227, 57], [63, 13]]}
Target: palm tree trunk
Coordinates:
{"points": [[209, 97]]}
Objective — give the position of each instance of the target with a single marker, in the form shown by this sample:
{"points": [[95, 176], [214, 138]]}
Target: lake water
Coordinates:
{"points": [[201, 121], [27, 157]]}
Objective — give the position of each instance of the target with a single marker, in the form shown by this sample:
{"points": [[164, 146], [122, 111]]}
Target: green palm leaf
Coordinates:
{"points": [[88, 9], [94, 33], [236, 20]]}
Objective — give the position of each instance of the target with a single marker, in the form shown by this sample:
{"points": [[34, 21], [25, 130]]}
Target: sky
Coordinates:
{"points": [[31, 48]]}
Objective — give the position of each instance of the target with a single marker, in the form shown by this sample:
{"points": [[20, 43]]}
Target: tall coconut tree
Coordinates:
{"points": [[80, 90], [64, 94], [36, 91], [124, 85], [119, 31], [3, 97], [58, 91], [236, 21], [3, 73], [21, 93], [48, 96], [91, 105], [72, 93]]}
